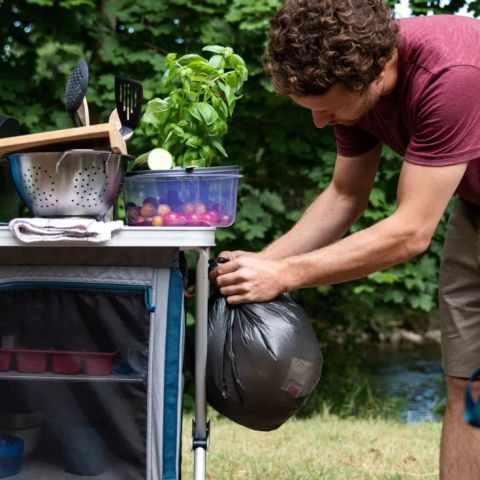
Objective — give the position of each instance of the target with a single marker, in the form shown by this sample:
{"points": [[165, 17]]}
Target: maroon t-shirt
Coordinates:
{"points": [[433, 115]]}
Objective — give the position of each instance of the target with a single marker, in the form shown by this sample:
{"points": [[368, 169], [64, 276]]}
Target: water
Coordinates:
{"points": [[413, 377]]}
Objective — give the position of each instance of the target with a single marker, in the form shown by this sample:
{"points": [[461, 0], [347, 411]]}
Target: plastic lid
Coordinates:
{"points": [[10, 446], [176, 171]]}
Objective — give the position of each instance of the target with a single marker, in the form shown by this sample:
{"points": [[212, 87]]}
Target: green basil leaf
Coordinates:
{"points": [[214, 49], [167, 78], [156, 114], [193, 141], [201, 68], [217, 61], [170, 59], [219, 147], [193, 57], [204, 112]]}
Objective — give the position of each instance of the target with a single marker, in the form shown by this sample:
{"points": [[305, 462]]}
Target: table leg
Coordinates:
{"points": [[200, 425]]}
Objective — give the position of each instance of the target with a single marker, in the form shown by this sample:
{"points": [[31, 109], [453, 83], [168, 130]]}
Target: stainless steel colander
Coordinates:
{"points": [[71, 183]]}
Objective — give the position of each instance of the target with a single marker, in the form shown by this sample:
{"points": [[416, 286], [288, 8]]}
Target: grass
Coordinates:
{"points": [[323, 447]]}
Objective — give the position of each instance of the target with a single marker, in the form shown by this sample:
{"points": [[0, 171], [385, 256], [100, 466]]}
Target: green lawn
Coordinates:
{"points": [[321, 448]]}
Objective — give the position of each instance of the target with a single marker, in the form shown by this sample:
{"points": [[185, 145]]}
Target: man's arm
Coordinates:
{"points": [[335, 209], [423, 194]]}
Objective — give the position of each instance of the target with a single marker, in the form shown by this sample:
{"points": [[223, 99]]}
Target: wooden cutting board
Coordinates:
{"points": [[101, 136]]}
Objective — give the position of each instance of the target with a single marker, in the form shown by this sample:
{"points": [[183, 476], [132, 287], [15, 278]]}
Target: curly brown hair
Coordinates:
{"points": [[314, 44]]}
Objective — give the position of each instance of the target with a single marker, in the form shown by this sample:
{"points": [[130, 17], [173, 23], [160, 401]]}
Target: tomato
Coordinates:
{"points": [[225, 219], [210, 218], [148, 210], [133, 212], [139, 221], [151, 200], [163, 208], [200, 208], [173, 219], [157, 221], [193, 219], [188, 207]]}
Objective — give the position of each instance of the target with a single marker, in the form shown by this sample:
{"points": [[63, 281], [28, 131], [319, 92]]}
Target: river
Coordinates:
{"points": [[412, 376]]}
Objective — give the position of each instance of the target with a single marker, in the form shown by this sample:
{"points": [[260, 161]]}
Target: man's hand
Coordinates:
{"points": [[213, 274], [247, 277]]}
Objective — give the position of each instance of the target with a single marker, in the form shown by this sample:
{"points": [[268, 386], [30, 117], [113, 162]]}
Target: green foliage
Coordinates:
{"points": [[345, 387], [201, 95], [285, 160]]}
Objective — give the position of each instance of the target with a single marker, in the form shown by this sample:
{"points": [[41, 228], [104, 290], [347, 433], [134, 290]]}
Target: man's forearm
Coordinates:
{"points": [[325, 221], [380, 246]]}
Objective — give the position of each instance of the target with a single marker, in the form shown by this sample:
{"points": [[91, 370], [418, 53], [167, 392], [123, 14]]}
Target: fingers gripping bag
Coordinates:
{"points": [[263, 360]]}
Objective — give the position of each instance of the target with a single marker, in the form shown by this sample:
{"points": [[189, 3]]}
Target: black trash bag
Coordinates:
{"points": [[263, 360]]}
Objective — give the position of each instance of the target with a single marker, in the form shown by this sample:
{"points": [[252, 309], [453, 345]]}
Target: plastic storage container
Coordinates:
{"points": [[11, 450], [5, 360], [98, 363], [65, 363], [31, 361], [192, 197]]}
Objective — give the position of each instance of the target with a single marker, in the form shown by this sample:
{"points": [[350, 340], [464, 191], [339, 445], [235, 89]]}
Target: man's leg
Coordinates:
{"points": [[460, 446], [459, 295]]}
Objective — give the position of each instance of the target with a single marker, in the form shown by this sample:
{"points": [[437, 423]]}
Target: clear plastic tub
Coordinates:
{"points": [[194, 197]]}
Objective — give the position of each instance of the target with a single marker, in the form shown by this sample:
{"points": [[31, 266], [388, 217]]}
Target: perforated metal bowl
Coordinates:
{"points": [[71, 183]]}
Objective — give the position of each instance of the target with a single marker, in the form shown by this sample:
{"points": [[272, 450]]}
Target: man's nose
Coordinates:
{"points": [[321, 119]]}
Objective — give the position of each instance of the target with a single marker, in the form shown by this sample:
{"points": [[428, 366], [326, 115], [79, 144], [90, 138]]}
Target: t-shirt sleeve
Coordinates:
{"points": [[353, 141], [447, 119]]}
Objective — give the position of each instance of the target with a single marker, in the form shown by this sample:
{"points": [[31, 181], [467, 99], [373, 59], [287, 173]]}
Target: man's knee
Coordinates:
{"points": [[456, 390]]}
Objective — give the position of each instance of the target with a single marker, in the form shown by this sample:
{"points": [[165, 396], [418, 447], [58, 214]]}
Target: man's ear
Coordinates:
{"points": [[381, 76]]}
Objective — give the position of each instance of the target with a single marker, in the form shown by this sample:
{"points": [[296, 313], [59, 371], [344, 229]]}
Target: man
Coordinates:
{"points": [[413, 84]]}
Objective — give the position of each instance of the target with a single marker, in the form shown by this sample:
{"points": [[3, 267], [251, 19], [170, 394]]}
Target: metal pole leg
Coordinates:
{"points": [[200, 425]]}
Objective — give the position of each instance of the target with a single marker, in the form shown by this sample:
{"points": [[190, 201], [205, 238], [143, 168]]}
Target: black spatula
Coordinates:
{"points": [[128, 100]]}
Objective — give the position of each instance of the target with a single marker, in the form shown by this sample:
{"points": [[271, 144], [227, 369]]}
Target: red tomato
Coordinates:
{"points": [[174, 219], [210, 218], [225, 219], [170, 218], [194, 219], [139, 221]]}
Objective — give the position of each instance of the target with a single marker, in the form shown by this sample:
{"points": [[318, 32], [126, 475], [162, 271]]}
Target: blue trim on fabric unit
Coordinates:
{"points": [[172, 375], [147, 289], [471, 413]]}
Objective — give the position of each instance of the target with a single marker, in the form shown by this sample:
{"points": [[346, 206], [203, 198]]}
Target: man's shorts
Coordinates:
{"points": [[459, 291]]}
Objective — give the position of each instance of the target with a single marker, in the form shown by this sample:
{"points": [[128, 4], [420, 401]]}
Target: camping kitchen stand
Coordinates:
{"points": [[195, 239]]}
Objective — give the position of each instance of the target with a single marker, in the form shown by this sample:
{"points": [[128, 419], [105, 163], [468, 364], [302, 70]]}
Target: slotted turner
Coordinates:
{"points": [[75, 101], [128, 100]]}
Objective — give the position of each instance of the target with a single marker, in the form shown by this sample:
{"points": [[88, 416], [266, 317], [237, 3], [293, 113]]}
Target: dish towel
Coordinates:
{"points": [[71, 229]]}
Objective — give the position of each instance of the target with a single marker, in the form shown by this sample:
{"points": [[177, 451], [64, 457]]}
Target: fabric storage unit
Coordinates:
{"points": [[117, 420]]}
